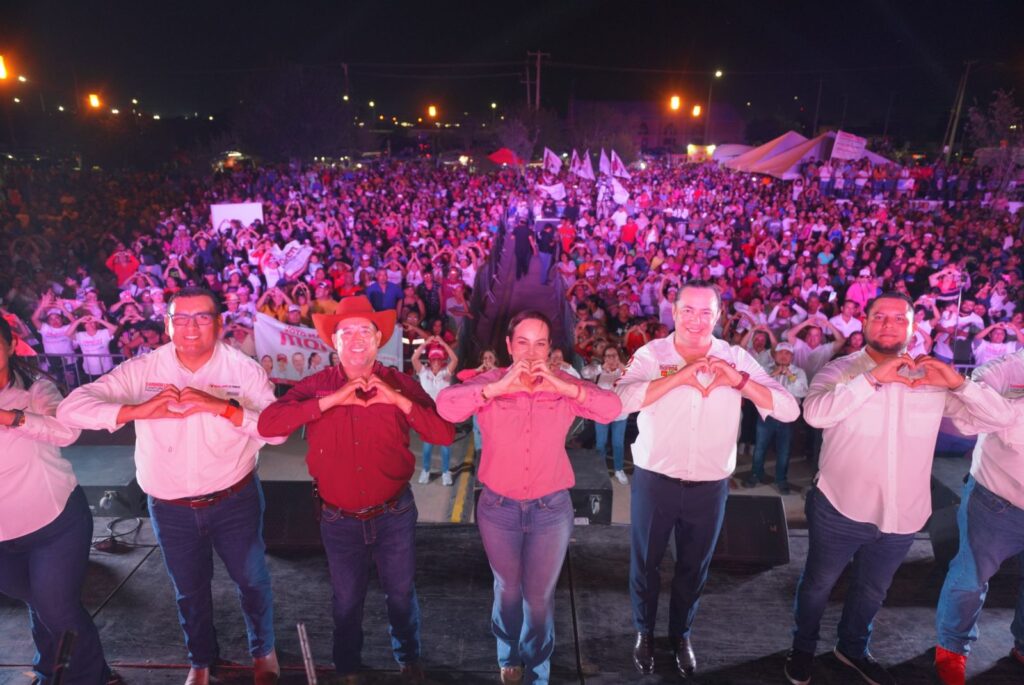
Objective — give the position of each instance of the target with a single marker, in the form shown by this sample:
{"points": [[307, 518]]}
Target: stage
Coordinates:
{"points": [[740, 636]]}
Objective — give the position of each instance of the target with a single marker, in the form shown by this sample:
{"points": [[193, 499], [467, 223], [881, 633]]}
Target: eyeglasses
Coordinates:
{"points": [[199, 318], [354, 331]]}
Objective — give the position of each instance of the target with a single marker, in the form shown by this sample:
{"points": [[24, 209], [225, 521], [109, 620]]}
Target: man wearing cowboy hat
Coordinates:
{"points": [[359, 415]]}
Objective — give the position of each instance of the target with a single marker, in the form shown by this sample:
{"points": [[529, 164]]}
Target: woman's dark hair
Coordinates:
{"points": [[23, 372], [523, 316]]}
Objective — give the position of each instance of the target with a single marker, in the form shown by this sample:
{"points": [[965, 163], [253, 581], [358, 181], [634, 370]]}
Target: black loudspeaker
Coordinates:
{"points": [[592, 494], [289, 520], [943, 529], [107, 476], [754, 531]]}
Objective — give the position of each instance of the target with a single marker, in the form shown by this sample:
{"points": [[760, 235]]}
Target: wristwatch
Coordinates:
{"points": [[19, 418], [230, 410]]}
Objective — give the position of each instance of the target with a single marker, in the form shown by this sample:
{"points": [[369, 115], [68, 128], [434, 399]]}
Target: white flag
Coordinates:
{"points": [[555, 191], [619, 192], [586, 166], [552, 162], [604, 165], [618, 168], [574, 163]]}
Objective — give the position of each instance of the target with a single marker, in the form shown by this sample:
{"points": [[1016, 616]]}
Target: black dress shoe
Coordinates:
{"points": [[686, 662], [643, 652]]}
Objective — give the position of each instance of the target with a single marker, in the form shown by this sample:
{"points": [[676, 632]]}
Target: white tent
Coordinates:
{"points": [[762, 152], [723, 153], [786, 165]]}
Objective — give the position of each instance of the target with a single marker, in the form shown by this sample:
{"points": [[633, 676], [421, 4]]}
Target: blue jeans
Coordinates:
{"points": [[545, 265], [389, 541], [834, 541], [770, 429], [446, 455], [991, 531], [46, 570], [618, 431], [477, 438], [188, 537], [660, 507], [526, 542]]}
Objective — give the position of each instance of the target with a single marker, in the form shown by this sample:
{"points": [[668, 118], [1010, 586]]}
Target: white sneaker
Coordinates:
{"points": [[424, 477], [621, 477], [446, 478]]}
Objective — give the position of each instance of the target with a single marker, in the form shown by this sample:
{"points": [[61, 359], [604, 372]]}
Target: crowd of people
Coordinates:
{"points": [[721, 290]]}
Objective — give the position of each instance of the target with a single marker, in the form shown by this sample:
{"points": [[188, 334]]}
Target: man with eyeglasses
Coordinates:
{"points": [[688, 389], [358, 415], [195, 403]]}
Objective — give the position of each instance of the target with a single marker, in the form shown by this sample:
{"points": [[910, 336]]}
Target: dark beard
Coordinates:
{"points": [[891, 349]]}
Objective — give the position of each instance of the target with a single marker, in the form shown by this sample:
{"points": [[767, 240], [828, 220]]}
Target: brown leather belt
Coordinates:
{"points": [[204, 501], [367, 513]]}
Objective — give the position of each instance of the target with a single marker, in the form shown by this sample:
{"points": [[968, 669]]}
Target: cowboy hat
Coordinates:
{"points": [[352, 307]]}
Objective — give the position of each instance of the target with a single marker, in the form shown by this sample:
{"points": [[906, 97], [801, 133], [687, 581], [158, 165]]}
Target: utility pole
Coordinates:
{"points": [[536, 84], [526, 80], [817, 109], [348, 87], [954, 115]]}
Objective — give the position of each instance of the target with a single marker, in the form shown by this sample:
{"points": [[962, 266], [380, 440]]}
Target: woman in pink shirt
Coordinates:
{"points": [[45, 522], [525, 514]]}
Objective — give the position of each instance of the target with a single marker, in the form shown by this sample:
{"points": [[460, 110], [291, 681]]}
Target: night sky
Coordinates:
{"points": [[181, 57]]}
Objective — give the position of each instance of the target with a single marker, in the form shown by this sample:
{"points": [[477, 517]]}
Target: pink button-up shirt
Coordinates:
{"points": [[524, 453]]}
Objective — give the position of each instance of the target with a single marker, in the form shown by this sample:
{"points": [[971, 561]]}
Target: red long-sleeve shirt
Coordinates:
{"points": [[359, 456]]}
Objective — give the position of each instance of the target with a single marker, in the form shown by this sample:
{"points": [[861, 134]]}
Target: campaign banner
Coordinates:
{"points": [[245, 212], [848, 146], [290, 353]]}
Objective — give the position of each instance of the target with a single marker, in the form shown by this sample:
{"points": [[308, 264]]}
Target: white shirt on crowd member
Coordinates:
{"points": [[96, 351], [35, 480], [846, 327], [812, 359], [795, 382], [56, 339], [434, 383], [186, 457], [683, 411], [998, 462], [986, 351], [876, 458]]}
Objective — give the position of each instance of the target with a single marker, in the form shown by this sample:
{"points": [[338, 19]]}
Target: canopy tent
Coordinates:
{"points": [[772, 148], [728, 151], [786, 165], [504, 156]]}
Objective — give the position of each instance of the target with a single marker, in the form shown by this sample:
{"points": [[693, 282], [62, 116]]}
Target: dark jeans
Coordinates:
{"points": [[991, 531], [659, 507], [834, 540], [526, 542], [46, 570], [188, 537], [770, 430], [389, 541], [545, 265]]}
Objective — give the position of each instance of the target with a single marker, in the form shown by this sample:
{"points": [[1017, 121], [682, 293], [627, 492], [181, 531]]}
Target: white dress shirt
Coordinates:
{"points": [[684, 435], [811, 359], [876, 457], [999, 455], [35, 481], [847, 328], [191, 456]]}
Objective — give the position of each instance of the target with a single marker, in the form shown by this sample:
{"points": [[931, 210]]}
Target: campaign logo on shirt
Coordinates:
{"points": [[225, 388], [155, 386], [668, 369]]}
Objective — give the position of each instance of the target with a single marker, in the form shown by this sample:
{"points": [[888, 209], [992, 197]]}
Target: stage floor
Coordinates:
{"points": [[740, 636]]}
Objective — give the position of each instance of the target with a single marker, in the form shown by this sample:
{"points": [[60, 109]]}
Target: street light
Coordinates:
{"points": [[696, 112], [94, 101], [494, 105], [372, 104], [707, 112], [432, 111], [3, 69], [22, 79], [674, 103]]}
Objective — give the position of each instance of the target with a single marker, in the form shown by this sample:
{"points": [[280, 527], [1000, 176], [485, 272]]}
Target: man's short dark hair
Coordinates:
{"points": [[890, 295], [194, 291], [701, 284], [525, 315]]}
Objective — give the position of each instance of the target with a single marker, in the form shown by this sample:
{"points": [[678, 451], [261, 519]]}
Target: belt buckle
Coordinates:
{"points": [[205, 500], [371, 512]]}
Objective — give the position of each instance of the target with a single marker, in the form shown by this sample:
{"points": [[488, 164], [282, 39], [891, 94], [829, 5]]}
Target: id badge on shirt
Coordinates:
{"points": [[667, 370]]}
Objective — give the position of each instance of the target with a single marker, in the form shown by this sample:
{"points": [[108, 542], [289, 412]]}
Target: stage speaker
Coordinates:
{"points": [[942, 527], [107, 476], [289, 520], [754, 532]]}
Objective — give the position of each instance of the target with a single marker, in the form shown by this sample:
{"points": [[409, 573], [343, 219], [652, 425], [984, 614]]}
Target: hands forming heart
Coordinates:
{"points": [[707, 374], [366, 392], [174, 403], [915, 372], [531, 377]]}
